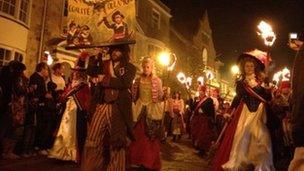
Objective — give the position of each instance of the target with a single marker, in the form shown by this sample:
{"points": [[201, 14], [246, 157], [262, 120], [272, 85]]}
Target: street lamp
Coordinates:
{"points": [[164, 58], [235, 70]]}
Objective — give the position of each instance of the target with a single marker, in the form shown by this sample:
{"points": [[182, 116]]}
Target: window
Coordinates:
{"points": [[24, 8], [155, 19], [19, 9], [8, 6], [5, 56], [18, 57]]}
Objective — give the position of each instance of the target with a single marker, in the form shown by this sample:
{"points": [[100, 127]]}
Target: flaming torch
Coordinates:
{"points": [[269, 37], [181, 77]]}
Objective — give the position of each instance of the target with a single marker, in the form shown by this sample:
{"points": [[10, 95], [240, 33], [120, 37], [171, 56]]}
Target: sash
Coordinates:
{"points": [[199, 104], [254, 94]]}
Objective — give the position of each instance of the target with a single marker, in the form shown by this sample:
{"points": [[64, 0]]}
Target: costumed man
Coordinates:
{"points": [[246, 144], [148, 110], [71, 135], [111, 123], [282, 139], [202, 122], [119, 27]]}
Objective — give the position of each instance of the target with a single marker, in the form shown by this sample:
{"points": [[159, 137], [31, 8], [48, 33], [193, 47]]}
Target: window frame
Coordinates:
{"points": [[155, 11]]}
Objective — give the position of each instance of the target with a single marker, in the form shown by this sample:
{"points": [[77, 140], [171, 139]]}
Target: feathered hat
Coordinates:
{"points": [[255, 55]]}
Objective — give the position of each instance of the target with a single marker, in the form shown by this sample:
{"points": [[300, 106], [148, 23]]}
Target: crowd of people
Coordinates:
{"points": [[105, 118]]}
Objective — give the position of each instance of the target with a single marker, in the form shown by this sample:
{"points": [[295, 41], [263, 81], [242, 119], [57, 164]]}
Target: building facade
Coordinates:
{"points": [[14, 29], [197, 56], [28, 28]]}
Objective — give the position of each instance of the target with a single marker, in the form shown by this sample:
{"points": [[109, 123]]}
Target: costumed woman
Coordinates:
{"points": [[246, 144], [178, 124], [112, 121], [71, 135], [148, 110], [202, 122]]}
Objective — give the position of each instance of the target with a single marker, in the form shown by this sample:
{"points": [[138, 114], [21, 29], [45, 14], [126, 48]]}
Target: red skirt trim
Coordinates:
{"points": [[144, 151], [223, 153]]}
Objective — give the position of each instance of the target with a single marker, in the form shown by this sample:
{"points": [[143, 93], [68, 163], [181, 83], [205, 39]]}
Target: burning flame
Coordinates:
{"points": [[50, 59], [266, 32], [171, 67], [181, 78], [283, 75], [200, 80], [189, 81], [209, 74]]}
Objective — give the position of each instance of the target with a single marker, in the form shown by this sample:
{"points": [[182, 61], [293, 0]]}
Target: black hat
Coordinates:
{"points": [[117, 13], [245, 56], [17, 66]]}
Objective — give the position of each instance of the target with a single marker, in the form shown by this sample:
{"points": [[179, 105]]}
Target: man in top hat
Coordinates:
{"points": [[112, 121]]}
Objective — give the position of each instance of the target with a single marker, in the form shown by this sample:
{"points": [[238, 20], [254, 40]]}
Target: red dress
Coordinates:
{"points": [[202, 132], [144, 151]]}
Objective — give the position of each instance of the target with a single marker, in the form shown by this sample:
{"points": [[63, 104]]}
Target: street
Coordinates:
{"points": [[175, 157]]}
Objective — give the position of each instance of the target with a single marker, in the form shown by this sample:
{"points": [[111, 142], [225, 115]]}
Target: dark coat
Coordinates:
{"points": [[40, 91], [297, 116], [125, 75]]}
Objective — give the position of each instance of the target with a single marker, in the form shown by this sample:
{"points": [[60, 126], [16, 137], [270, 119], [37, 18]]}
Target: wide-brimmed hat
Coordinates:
{"points": [[246, 55]]}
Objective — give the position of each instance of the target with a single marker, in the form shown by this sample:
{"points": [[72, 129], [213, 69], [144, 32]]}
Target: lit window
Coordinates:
{"points": [[5, 56], [8, 6], [24, 9], [155, 19], [18, 57]]}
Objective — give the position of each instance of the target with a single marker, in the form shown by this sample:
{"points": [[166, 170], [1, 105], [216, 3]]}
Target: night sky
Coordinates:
{"points": [[234, 24]]}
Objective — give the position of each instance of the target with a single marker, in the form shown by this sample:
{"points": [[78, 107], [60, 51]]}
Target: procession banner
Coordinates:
{"points": [[91, 22]]}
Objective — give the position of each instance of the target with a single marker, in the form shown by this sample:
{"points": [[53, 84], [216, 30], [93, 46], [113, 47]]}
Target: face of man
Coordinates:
{"points": [[147, 68], [249, 68], [116, 55], [118, 19], [45, 72]]}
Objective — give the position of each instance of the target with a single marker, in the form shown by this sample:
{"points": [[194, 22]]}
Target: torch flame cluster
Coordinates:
{"points": [[266, 32], [283, 75], [187, 81]]}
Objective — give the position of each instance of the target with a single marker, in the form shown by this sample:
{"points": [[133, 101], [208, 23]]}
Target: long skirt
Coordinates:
{"points": [[65, 146], [145, 150], [177, 124], [99, 154], [246, 143], [203, 132]]}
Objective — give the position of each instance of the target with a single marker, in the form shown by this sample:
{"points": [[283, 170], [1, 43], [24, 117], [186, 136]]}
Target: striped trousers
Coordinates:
{"points": [[98, 154]]}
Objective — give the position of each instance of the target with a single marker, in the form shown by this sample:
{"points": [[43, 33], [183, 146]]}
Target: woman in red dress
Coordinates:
{"points": [[147, 92]]}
